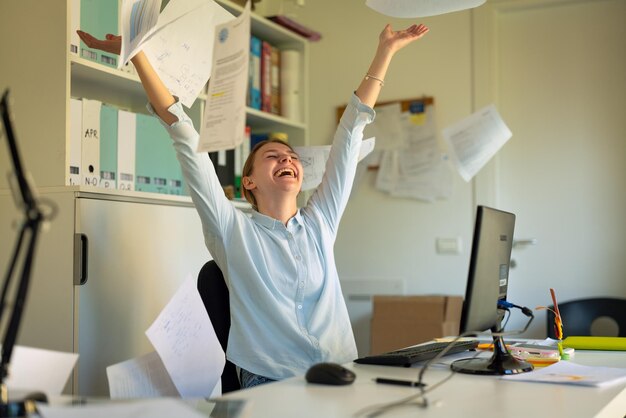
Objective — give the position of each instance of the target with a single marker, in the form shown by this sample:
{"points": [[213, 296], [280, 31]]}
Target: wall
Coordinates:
{"points": [[466, 62], [381, 237]]}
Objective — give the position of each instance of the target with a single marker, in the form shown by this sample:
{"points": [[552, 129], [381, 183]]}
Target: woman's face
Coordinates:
{"points": [[276, 168]]}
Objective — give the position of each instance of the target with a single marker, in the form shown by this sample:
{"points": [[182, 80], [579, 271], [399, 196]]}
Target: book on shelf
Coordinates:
{"points": [[296, 27], [290, 73], [266, 76], [275, 80], [254, 74]]}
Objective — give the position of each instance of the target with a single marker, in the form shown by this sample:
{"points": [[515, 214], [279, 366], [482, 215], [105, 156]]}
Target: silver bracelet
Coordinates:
{"points": [[380, 80]]}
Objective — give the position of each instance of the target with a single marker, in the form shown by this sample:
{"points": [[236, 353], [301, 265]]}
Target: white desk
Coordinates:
{"points": [[462, 396]]}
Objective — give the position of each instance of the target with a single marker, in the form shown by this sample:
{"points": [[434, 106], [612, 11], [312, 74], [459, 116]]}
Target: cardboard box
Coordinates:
{"points": [[402, 321]]}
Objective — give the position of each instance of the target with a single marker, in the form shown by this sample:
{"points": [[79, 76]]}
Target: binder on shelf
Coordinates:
{"points": [[99, 17], [275, 81], [74, 26], [290, 85], [156, 167], [176, 184], [224, 166], [255, 138], [241, 155], [126, 139], [266, 76], [108, 147], [76, 124], [90, 143], [254, 74], [148, 155], [171, 169]]}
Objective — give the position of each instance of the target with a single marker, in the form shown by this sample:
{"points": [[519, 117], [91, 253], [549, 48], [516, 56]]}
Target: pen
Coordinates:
{"points": [[399, 382]]}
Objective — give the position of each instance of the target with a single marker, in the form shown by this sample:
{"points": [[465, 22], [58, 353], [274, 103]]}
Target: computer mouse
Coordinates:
{"points": [[329, 374]]}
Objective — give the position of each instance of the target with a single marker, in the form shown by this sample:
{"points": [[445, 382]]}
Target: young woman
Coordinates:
{"points": [[287, 309]]}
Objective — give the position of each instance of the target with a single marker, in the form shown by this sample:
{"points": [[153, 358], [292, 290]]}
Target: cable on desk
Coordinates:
{"points": [[377, 410]]}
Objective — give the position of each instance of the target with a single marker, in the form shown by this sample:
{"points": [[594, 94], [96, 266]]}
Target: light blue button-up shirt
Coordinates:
{"points": [[287, 309]]}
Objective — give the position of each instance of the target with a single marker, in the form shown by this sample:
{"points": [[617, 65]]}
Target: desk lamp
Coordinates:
{"points": [[24, 251]]}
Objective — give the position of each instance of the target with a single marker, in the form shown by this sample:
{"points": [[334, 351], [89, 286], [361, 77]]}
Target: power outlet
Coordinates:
{"points": [[449, 245]]}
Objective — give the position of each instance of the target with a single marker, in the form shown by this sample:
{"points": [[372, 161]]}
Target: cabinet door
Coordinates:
{"points": [[137, 256]]}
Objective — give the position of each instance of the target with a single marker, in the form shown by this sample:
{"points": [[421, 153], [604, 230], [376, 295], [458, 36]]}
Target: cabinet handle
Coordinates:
{"points": [[80, 259]]}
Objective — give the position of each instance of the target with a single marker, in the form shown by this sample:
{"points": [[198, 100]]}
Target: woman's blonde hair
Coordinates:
{"points": [[249, 165]]}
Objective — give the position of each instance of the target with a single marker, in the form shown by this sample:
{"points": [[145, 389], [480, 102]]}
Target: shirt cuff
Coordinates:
{"points": [[177, 110], [357, 113]]}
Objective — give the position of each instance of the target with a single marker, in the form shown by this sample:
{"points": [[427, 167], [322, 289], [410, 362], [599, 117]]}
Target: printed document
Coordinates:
{"points": [[178, 42], [224, 121], [314, 159], [474, 140], [566, 372], [185, 340]]}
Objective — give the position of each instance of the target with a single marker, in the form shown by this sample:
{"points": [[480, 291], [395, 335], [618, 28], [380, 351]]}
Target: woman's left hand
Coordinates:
{"points": [[392, 41]]}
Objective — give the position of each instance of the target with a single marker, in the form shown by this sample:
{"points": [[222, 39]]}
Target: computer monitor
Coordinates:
{"points": [[487, 284]]}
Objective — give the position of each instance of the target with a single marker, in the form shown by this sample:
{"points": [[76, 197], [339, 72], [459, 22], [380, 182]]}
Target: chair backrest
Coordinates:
{"points": [[214, 294], [591, 317]]}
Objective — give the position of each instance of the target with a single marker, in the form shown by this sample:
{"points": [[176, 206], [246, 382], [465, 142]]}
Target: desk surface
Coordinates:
{"points": [[462, 395]]}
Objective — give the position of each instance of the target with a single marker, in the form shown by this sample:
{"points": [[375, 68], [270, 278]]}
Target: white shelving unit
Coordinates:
{"points": [[140, 245]]}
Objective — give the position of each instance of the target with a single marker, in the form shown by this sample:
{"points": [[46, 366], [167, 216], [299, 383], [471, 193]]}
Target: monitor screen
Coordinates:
{"points": [[488, 276], [487, 283]]}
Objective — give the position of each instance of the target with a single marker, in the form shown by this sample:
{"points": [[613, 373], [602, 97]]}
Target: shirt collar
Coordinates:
{"points": [[272, 223]]}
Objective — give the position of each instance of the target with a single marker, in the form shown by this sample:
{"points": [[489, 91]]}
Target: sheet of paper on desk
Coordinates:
{"points": [[141, 377], [38, 369], [566, 372], [474, 140], [314, 159], [153, 408], [185, 340]]}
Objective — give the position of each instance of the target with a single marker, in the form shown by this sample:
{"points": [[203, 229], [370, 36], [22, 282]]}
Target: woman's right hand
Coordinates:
{"points": [[112, 43]]}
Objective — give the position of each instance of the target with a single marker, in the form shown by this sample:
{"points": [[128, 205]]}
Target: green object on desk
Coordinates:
{"points": [[596, 343]]}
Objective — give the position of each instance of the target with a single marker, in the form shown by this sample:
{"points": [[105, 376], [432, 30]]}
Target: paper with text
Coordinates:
{"points": [[224, 121], [185, 340], [42, 370], [141, 377], [181, 48], [474, 140], [566, 372], [416, 169], [151, 408], [314, 159], [385, 127], [178, 42]]}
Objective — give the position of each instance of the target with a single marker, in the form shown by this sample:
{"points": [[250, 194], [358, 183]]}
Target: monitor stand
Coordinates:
{"points": [[501, 362]]}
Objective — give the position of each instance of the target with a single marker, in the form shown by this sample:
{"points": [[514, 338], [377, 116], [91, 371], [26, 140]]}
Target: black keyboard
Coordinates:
{"points": [[407, 356]]}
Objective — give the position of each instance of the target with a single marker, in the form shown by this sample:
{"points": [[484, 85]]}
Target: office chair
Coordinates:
{"points": [[579, 315], [214, 294]]}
